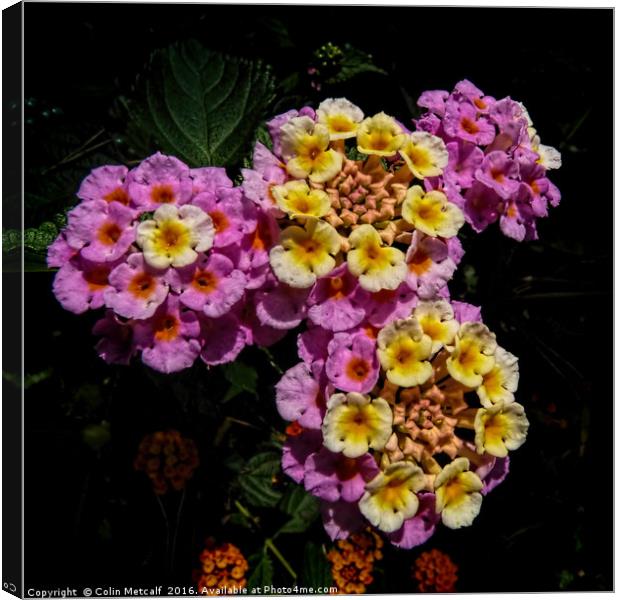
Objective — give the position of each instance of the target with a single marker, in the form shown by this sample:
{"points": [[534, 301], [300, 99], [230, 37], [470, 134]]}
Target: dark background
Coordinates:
{"points": [[91, 520]]}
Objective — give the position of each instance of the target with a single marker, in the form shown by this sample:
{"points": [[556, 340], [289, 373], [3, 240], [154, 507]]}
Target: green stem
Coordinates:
{"points": [[268, 541], [269, 544]]}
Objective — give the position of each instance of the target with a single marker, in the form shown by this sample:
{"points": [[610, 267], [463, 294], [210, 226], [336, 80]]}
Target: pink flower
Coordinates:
{"points": [[312, 344], [419, 528], [209, 179], [518, 219], [80, 285], [255, 247], [465, 313], [297, 449], [352, 364], [333, 477], [463, 121], [116, 344], [168, 339], [230, 212], [334, 301], [159, 180], [106, 183], [211, 285], [59, 252], [136, 288], [222, 338], [493, 473], [464, 159], [499, 172], [387, 305], [431, 263], [482, 206], [267, 171], [301, 395], [281, 306], [102, 231], [341, 519], [468, 90], [434, 100]]}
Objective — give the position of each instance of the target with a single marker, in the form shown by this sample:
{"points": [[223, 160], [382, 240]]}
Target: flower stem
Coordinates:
{"points": [[269, 543]]}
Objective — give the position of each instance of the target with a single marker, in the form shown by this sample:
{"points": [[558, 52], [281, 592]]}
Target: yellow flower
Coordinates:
{"points": [[175, 235], [340, 116], [473, 354], [500, 428], [391, 497], [437, 321], [457, 494], [377, 267], [425, 154], [354, 423], [432, 213], [403, 351], [380, 135], [297, 200], [501, 382], [305, 254], [305, 147]]}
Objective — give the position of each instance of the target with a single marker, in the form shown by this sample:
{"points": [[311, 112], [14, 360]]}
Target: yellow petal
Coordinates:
{"points": [[432, 213]]}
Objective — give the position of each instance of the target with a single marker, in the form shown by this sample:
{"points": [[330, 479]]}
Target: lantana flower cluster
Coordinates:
{"points": [[349, 193], [168, 459], [353, 560], [497, 167], [403, 426], [174, 255], [222, 570]]}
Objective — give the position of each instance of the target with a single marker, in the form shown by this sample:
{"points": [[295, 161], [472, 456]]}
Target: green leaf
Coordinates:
{"points": [[200, 105], [354, 62], [302, 507], [242, 378], [316, 571], [262, 574], [257, 479]]}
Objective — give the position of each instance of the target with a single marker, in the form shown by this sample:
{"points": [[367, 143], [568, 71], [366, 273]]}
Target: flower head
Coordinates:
{"points": [[305, 146], [380, 135], [435, 572], [340, 116], [354, 423], [174, 236], [222, 569], [168, 459]]}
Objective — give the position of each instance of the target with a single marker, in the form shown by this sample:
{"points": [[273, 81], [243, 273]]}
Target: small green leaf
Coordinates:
{"points": [[262, 573], [258, 477], [316, 571], [354, 62], [241, 377], [200, 105], [302, 507]]}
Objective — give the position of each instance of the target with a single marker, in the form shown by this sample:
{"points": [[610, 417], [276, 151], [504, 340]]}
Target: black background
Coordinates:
{"points": [[90, 520]]}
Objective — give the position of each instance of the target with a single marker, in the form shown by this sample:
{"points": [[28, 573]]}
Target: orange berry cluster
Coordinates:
{"points": [[222, 571], [353, 561], [168, 459], [435, 572]]}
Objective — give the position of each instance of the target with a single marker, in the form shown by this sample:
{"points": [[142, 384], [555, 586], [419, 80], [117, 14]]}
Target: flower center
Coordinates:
{"points": [[109, 233], [357, 369], [469, 126], [347, 468], [97, 278], [117, 195], [166, 328], [420, 262], [205, 281], [220, 221], [162, 193], [142, 285], [173, 236]]}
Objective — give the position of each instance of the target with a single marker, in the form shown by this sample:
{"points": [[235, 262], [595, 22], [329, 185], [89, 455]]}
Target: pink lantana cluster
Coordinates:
{"points": [[497, 167], [174, 255], [378, 417]]}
